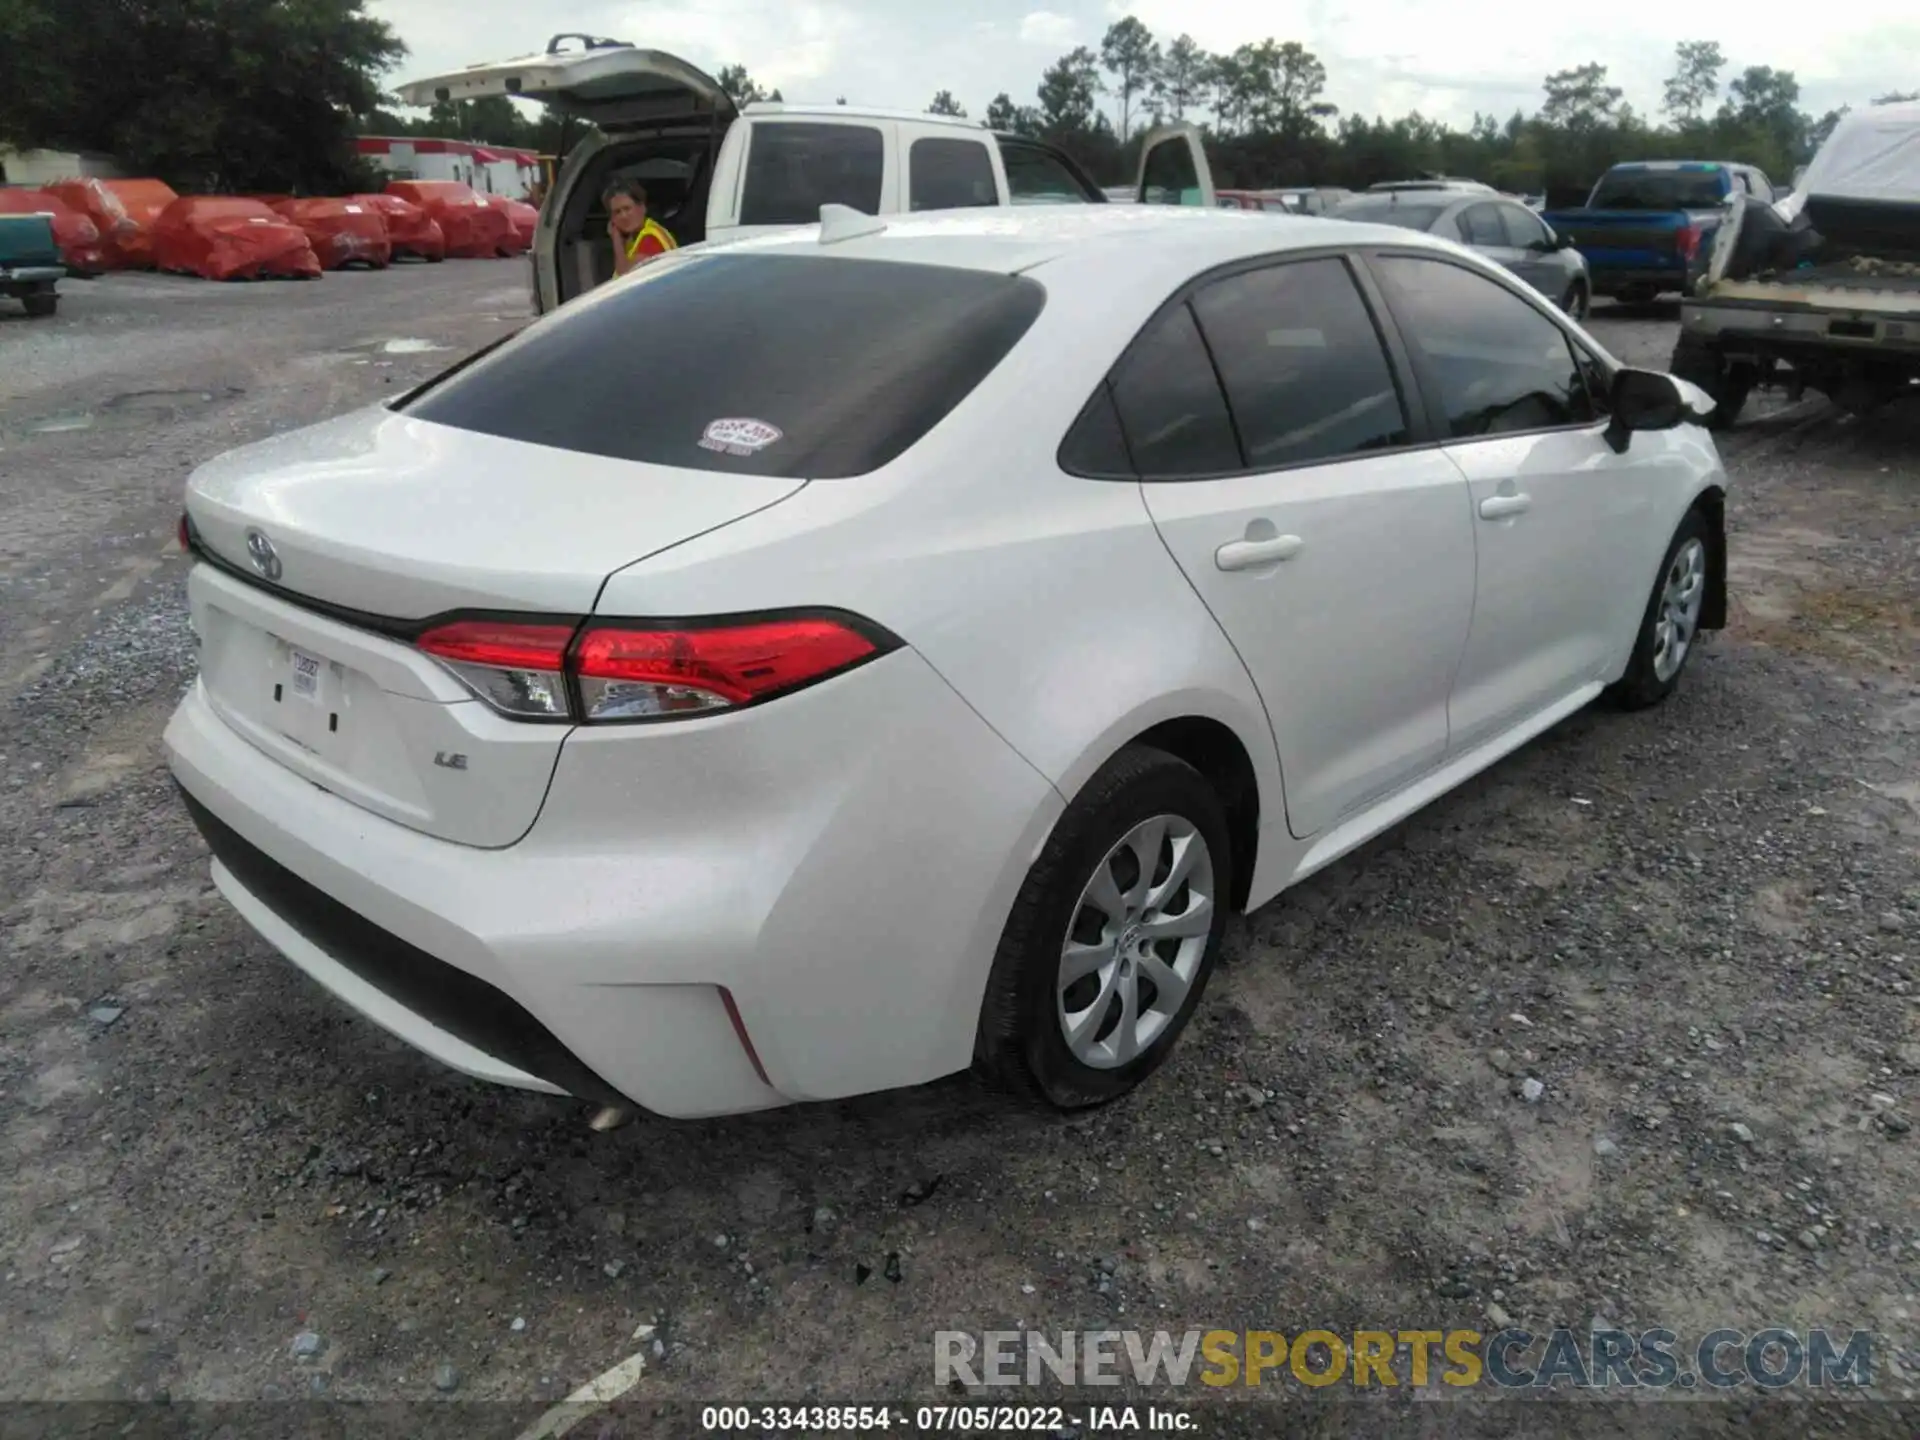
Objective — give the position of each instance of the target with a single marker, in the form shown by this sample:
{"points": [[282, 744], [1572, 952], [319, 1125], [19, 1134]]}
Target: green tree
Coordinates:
{"points": [[1132, 56], [1284, 84], [1580, 100], [1695, 80], [1004, 115], [1184, 81], [206, 94], [945, 104], [740, 87], [1067, 94]]}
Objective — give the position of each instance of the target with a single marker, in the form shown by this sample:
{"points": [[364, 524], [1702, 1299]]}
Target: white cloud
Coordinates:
{"points": [[1047, 27], [1386, 57]]}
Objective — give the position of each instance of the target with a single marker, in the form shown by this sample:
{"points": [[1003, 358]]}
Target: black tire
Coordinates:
{"points": [[1020, 1046], [1577, 303], [1642, 685], [42, 302], [1725, 385]]}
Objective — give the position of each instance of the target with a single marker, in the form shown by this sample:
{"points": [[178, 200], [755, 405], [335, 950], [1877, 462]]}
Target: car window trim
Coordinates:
{"points": [[1436, 418], [1399, 364], [1090, 193]]}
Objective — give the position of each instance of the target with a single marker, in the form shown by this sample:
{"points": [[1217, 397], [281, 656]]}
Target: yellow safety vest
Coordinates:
{"points": [[650, 227]]}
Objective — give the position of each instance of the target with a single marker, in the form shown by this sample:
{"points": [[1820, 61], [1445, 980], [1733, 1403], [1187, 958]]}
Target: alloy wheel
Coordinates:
{"points": [[1135, 943], [1682, 590]]}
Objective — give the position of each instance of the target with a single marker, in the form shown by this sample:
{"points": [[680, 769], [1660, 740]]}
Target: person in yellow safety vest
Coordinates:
{"points": [[637, 237]]}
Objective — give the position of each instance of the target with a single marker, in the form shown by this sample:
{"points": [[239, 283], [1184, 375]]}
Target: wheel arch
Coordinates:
{"points": [[1711, 505], [1235, 753]]}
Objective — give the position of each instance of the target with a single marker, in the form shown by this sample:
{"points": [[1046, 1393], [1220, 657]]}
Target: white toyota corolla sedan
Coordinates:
{"points": [[836, 660]]}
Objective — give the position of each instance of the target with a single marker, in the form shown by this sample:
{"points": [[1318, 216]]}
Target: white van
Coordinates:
{"points": [[713, 171]]}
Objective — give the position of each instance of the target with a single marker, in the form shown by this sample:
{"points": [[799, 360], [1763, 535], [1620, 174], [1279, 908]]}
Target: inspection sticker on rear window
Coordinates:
{"points": [[737, 436]]}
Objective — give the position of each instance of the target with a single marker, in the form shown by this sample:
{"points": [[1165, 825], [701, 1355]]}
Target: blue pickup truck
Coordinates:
{"points": [[1647, 229]]}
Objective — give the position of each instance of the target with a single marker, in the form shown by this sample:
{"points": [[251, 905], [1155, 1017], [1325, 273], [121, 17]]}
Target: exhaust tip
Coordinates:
{"points": [[609, 1117]]}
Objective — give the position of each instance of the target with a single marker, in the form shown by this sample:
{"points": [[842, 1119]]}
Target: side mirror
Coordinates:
{"points": [[1642, 400]]}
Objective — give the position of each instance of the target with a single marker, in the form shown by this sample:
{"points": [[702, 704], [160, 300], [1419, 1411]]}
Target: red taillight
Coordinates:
{"points": [[635, 672], [520, 670], [632, 673], [1686, 240], [185, 532]]}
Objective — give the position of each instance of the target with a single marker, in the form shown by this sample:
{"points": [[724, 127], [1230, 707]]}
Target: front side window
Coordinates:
{"points": [[1496, 364], [1482, 226], [802, 366], [795, 167], [1524, 229], [1170, 405], [1036, 178], [947, 174], [1302, 364]]}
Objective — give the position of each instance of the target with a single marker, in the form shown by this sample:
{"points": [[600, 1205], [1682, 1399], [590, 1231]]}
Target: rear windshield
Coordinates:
{"points": [[802, 367], [1658, 190], [1382, 211]]}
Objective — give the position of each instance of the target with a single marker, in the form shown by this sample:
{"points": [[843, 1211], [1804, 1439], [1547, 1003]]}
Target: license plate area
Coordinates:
{"points": [[309, 693]]}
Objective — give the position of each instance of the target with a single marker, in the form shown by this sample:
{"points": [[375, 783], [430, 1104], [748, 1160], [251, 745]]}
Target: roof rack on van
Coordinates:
{"points": [[588, 42]]}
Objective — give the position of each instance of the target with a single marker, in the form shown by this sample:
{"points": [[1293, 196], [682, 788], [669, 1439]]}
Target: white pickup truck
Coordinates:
{"points": [[1820, 291], [713, 170]]}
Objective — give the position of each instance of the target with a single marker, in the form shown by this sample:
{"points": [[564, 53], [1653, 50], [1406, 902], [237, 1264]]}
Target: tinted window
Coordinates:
{"points": [[1387, 210], [1659, 190], [1170, 404], [949, 175], [793, 169], [1524, 228], [1171, 178], [1496, 364], [1095, 446], [1302, 364], [1481, 225], [1035, 177], [852, 361]]}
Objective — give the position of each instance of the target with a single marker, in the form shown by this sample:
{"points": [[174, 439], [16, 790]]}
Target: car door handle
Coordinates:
{"points": [[1249, 554], [1498, 507]]}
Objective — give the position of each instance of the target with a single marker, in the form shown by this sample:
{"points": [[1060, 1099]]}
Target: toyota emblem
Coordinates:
{"points": [[265, 558]]}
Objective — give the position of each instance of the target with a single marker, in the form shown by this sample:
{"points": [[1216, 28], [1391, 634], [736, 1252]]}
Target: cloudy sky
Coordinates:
{"points": [[1382, 56]]}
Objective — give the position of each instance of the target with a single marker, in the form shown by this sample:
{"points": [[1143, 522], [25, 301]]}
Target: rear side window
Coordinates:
{"points": [[793, 168], [1302, 364], [799, 366], [1170, 404], [1496, 364], [1170, 177], [949, 175], [1036, 178]]}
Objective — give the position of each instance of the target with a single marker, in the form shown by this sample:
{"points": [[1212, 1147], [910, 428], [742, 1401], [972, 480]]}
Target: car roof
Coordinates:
{"points": [[1119, 237]]}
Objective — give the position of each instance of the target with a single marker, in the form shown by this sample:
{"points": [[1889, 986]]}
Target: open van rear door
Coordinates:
{"points": [[608, 83], [1173, 168]]}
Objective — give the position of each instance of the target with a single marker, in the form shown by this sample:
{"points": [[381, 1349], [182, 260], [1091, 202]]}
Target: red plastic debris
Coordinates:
{"points": [[124, 212]]}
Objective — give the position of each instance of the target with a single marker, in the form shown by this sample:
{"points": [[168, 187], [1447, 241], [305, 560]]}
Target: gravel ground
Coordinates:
{"points": [[1697, 929]]}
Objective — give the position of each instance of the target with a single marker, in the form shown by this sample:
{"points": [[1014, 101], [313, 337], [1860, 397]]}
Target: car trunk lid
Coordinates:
{"points": [[333, 549], [609, 83]]}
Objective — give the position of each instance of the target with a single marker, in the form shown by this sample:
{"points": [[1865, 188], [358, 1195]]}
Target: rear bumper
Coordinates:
{"points": [[31, 274], [1779, 330], [1612, 280], [839, 864]]}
